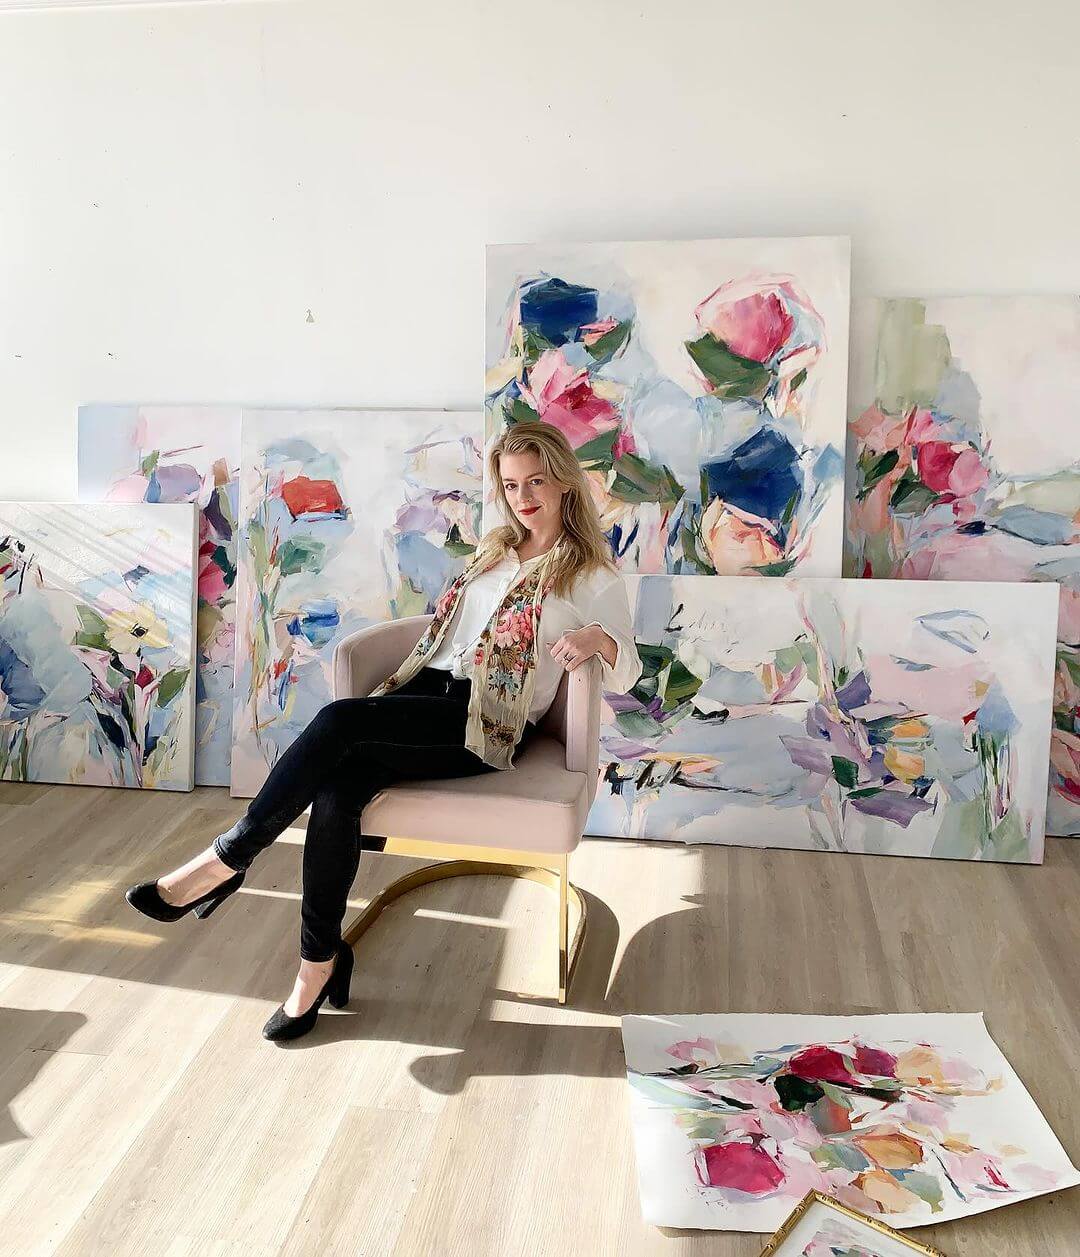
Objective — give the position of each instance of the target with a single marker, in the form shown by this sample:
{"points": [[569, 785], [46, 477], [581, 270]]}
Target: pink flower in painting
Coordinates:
{"points": [[624, 444], [951, 470], [743, 1167], [736, 541], [754, 325], [212, 584], [592, 332], [874, 1061], [700, 1050], [821, 1064], [766, 319], [562, 396]]}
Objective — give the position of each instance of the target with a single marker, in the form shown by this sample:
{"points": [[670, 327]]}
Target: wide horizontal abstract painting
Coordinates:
{"points": [[182, 454], [964, 464], [701, 383], [97, 644], [348, 518], [913, 1119], [891, 717]]}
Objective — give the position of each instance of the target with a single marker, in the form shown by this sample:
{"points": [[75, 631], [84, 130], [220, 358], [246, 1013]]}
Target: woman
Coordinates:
{"points": [[468, 696]]}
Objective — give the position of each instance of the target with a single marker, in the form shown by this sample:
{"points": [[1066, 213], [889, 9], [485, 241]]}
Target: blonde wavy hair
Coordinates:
{"points": [[584, 548]]}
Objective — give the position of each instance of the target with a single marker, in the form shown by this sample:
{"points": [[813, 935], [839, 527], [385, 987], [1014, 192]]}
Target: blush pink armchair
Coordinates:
{"points": [[524, 822]]}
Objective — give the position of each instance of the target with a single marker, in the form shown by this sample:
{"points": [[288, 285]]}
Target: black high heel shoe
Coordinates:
{"points": [[147, 899], [336, 990]]}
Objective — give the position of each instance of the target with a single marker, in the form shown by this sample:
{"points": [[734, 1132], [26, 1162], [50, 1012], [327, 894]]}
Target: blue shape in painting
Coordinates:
{"points": [[557, 310], [318, 621], [760, 476]]}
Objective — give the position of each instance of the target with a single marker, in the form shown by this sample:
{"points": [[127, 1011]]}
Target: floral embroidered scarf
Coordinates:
{"points": [[503, 665]]}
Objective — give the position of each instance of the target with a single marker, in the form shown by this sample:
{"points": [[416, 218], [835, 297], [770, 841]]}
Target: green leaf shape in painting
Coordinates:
{"points": [[798, 380], [654, 659], [962, 831], [149, 464], [840, 1155], [910, 496], [679, 684], [608, 345], [598, 454], [171, 684], [924, 1185], [92, 630], [1007, 840], [691, 553], [518, 411], [455, 545], [638, 724], [301, 554], [780, 568], [873, 468], [845, 771], [796, 1093], [730, 375], [534, 345], [637, 481], [664, 1093]]}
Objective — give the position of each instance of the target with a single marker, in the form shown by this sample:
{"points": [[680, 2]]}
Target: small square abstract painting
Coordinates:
{"points": [[886, 718], [97, 644], [182, 454], [913, 1119], [701, 383], [348, 518], [822, 1227], [964, 464]]}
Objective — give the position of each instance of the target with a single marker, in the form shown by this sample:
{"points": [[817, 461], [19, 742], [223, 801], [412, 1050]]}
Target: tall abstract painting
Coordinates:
{"points": [[964, 464], [701, 383], [894, 717], [182, 454], [349, 518], [97, 644], [912, 1119]]}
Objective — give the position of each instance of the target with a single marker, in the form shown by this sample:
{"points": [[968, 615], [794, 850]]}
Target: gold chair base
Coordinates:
{"points": [[458, 861]]}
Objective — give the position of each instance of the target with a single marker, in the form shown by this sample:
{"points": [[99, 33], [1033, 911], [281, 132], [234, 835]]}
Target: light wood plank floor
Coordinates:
{"points": [[142, 1112]]}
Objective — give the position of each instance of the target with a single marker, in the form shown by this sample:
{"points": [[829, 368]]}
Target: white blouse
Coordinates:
{"points": [[598, 598]]}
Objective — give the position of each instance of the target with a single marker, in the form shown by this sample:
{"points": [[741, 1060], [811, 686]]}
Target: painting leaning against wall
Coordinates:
{"points": [[964, 464], [701, 384], [181, 454], [893, 718], [97, 644], [349, 518]]}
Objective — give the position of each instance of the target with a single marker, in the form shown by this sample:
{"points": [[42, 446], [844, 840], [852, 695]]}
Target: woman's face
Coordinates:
{"points": [[534, 497]]}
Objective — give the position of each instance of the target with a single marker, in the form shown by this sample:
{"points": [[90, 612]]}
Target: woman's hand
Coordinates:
{"points": [[575, 647]]}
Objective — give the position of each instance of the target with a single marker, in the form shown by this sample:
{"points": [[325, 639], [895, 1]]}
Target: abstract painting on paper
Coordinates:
{"points": [[964, 464], [701, 383], [913, 1119], [181, 454], [348, 518], [889, 718], [97, 644]]}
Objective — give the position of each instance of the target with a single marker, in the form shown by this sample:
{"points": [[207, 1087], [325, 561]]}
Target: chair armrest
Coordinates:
{"points": [[583, 693], [367, 657]]}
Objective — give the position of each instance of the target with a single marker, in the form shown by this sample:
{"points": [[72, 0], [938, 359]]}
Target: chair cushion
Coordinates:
{"points": [[535, 806]]}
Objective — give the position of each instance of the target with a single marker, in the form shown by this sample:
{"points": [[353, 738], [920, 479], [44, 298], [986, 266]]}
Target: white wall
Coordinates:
{"points": [[180, 185]]}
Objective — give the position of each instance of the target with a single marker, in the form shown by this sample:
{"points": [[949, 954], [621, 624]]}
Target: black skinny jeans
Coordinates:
{"points": [[351, 750]]}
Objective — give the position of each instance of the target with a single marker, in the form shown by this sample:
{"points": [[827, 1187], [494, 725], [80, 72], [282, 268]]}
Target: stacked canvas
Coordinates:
{"points": [[702, 386]]}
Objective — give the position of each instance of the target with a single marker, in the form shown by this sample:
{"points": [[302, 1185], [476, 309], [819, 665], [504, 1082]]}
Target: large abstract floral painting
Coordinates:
{"points": [[913, 1119], [893, 717], [702, 384], [964, 464], [348, 518], [97, 644], [182, 454]]}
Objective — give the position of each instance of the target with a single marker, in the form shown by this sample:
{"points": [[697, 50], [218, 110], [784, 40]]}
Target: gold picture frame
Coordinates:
{"points": [[898, 1245]]}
